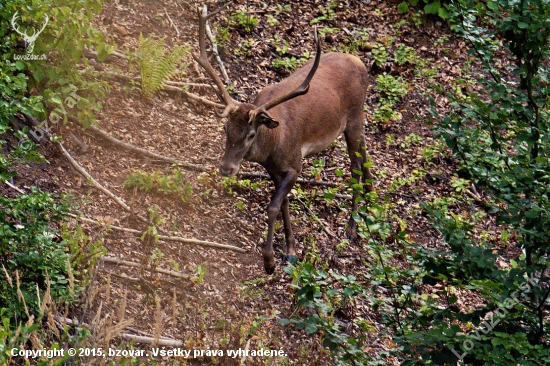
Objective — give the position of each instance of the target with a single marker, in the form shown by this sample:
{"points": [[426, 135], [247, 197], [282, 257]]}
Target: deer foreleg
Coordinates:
{"points": [[283, 185]]}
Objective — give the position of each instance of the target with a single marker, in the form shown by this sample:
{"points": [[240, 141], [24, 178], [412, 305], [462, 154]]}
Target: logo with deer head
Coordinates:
{"points": [[29, 39]]}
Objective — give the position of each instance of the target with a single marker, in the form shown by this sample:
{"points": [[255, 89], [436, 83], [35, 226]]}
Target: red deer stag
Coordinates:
{"points": [[301, 115]]}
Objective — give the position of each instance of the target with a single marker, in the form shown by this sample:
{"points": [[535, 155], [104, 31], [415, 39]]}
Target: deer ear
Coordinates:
{"points": [[266, 120]]}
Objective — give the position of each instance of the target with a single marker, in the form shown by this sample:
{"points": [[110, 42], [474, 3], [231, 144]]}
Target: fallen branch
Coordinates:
{"points": [[323, 226], [299, 180], [138, 265], [217, 55], [151, 340], [167, 342], [146, 152], [166, 237], [171, 22], [167, 83], [90, 179], [13, 187]]}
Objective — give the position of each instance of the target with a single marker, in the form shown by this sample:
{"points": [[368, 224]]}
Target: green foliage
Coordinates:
{"points": [[84, 252], [407, 55], [326, 13], [501, 138], [288, 63], [271, 20], [31, 251], [437, 7], [244, 20], [320, 294], [283, 9], [173, 184], [380, 51], [156, 64], [392, 90], [59, 48], [357, 41]]}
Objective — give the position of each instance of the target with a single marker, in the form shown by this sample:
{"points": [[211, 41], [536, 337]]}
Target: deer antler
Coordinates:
{"points": [[229, 103], [302, 89]]}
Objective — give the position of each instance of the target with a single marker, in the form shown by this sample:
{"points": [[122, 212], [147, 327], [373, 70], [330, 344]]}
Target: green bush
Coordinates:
{"points": [[501, 138], [31, 252]]}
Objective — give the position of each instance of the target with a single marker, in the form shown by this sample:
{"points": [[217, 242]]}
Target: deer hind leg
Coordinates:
{"points": [[283, 185], [358, 156]]}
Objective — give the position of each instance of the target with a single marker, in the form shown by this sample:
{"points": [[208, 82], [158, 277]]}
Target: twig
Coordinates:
{"points": [[171, 22], [14, 187], [139, 339], [145, 152], [246, 347], [165, 237], [217, 55], [325, 229], [150, 340], [138, 79], [138, 265], [299, 180], [82, 145], [82, 171]]}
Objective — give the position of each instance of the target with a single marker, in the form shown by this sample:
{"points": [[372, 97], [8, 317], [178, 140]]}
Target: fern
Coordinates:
{"points": [[157, 64]]}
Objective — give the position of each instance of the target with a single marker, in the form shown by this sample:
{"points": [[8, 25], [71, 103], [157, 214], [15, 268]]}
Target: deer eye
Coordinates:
{"points": [[250, 136]]}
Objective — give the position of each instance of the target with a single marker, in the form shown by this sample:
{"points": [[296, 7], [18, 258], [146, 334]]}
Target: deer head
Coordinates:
{"points": [[29, 40]]}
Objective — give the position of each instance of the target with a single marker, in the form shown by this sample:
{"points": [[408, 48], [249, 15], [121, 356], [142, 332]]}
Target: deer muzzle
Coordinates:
{"points": [[228, 169]]}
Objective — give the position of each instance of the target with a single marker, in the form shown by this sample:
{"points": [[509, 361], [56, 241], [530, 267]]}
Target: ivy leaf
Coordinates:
{"points": [[432, 8], [403, 7]]}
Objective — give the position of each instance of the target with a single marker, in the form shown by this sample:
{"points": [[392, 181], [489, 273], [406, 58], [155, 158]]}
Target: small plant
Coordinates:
{"points": [[386, 114], [380, 50], [287, 63], [222, 35], [320, 294], [328, 30], [283, 9], [280, 44], [406, 55], [201, 273], [390, 140], [411, 140], [157, 64], [317, 169], [244, 20], [326, 13], [271, 20], [391, 88], [165, 184], [358, 41], [244, 49]]}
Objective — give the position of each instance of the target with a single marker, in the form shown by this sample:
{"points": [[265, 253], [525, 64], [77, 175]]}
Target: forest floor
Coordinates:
{"points": [[230, 302]]}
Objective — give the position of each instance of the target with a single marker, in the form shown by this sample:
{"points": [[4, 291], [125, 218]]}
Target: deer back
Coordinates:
{"points": [[311, 122]]}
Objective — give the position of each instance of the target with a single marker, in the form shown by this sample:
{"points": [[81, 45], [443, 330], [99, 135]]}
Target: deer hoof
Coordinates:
{"points": [[269, 270], [292, 259]]}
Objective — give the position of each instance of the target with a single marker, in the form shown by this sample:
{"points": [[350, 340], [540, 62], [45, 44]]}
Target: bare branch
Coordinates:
{"points": [[138, 265], [165, 237]]}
